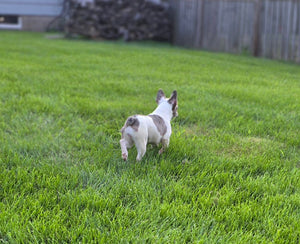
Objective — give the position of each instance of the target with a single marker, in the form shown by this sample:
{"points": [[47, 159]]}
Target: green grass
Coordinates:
{"points": [[230, 175]]}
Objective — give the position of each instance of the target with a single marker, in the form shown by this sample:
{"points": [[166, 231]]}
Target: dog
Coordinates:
{"points": [[155, 128]]}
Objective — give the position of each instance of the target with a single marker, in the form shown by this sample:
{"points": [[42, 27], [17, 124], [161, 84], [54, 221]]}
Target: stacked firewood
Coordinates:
{"points": [[119, 19]]}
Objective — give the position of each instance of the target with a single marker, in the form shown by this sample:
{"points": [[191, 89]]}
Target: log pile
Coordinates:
{"points": [[119, 19]]}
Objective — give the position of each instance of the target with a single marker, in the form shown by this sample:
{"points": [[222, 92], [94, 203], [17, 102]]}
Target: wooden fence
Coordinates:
{"points": [[268, 28]]}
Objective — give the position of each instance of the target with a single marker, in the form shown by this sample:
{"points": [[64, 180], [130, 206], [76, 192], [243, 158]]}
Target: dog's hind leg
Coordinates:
{"points": [[125, 142], [140, 145], [165, 144], [124, 149]]}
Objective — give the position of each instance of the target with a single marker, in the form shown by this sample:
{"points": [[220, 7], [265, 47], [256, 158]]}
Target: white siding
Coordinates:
{"points": [[31, 7]]}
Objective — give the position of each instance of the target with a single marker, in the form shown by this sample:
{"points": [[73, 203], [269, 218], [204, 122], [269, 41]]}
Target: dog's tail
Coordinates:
{"points": [[132, 121]]}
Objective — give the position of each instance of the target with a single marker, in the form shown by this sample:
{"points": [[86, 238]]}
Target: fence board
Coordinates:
{"points": [[269, 28], [294, 28], [298, 35]]}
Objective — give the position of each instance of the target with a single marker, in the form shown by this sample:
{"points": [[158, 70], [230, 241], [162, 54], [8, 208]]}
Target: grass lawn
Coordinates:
{"points": [[230, 175]]}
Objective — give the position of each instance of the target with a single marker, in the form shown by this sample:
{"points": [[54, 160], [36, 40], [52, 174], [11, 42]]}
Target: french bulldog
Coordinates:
{"points": [[155, 128]]}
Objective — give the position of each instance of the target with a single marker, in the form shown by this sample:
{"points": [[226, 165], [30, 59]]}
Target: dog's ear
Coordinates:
{"points": [[160, 95], [173, 99]]}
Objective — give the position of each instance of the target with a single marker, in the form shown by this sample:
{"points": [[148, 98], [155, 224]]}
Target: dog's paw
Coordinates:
{"points": [[124, 156]]}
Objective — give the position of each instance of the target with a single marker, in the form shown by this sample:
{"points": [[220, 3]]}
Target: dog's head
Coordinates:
{"points": [[171, 102]]}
